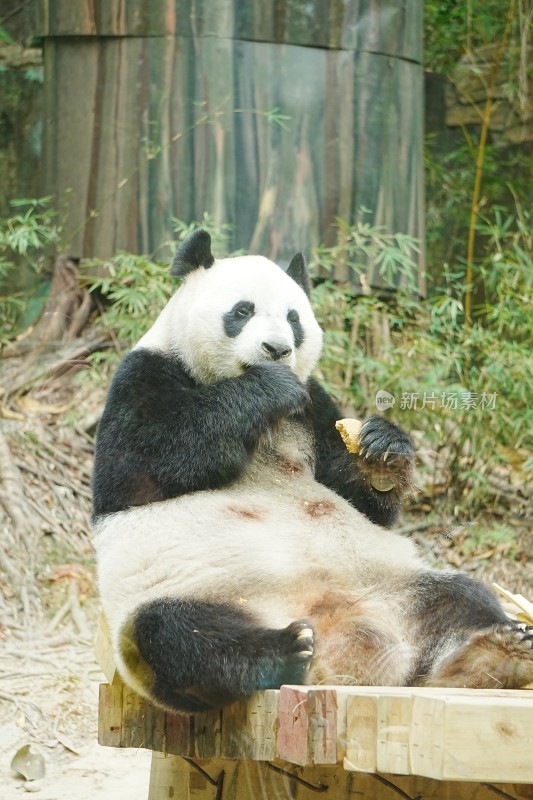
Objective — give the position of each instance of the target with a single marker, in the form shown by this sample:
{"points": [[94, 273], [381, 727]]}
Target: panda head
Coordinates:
{"points": [[231, 313]]}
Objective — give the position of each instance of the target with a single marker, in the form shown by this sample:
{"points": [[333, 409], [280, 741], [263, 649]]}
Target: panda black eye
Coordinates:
{"points": [[293, 317], [244, 310]]}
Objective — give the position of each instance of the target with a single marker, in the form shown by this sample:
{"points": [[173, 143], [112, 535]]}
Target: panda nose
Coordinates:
{"points": [[276, 351]]}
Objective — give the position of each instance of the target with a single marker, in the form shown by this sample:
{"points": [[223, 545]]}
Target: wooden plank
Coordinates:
{"points": [[249, 728], [103, 652], [393, 731], [179, 735], [169, 777], [361, 739], [110, 715], [293, 724], [134, 712], [468, 738], [307, 732], [207, 735]]}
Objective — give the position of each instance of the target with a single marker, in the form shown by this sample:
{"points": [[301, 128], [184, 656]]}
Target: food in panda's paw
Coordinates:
{"points": [[385, 455], [382, 483], [349, 430]]}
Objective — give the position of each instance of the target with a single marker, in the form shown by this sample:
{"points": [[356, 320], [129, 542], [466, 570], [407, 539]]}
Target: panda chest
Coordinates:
{"points": [[285, 454]]}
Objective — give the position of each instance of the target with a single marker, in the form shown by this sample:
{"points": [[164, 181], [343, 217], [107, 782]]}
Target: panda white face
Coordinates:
{"points": [[240, 312]]}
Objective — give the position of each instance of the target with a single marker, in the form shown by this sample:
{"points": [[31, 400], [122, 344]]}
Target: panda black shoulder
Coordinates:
{"points": [[143, 374], [132, 435]]}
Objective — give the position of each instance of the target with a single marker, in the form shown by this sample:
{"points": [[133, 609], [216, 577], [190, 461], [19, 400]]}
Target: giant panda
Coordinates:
{"points": [[239, 545]]}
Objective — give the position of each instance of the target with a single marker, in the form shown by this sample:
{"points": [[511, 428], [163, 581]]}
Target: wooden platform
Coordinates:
{"points": [[343, 742], [327, 734]]}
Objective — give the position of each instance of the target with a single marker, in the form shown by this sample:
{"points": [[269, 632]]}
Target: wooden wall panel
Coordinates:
{"points": [[141, 129], [390, 27]]}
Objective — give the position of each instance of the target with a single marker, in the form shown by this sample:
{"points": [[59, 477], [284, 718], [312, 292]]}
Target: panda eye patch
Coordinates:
{"points": [[293, 318], [235, 319]]}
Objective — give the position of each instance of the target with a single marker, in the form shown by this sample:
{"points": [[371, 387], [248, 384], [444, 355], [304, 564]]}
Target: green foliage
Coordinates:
{"points": [[419, 352], [220, 232], [453, 28], [132, 289], [445, 24], [449, 182], [480, 539], [24, 236], [363, 247]]}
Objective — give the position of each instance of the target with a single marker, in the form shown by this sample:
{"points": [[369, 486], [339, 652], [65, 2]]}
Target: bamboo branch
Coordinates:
{"points": [[480, 161]]}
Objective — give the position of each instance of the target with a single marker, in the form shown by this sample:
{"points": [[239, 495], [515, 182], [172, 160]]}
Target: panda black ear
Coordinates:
{"points": [[298, 272], [192, 253]]}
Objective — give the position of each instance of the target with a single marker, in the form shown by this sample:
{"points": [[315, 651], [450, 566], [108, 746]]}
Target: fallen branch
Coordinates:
{"points": [[12, 496], [40, 365], [76, 611], [405, 530]]}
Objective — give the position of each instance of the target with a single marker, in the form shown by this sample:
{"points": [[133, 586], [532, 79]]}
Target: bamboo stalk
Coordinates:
{"points": [[480, 161]]}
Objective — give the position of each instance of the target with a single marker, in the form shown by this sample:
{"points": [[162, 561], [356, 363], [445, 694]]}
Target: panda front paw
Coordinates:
{"points": [[385, 455], [281, 391]]}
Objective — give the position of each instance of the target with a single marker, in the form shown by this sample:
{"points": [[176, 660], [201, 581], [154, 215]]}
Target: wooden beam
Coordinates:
{"points": [[103, 652], [169, 777], [307, 732]]}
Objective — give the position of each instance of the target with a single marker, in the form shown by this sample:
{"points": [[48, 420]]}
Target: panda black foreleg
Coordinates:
{"points": [[163, 435], [377, 478], [200, 655]]}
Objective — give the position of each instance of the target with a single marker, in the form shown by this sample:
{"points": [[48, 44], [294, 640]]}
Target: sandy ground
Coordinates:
{"points": [[97, 772], [49, 699]]}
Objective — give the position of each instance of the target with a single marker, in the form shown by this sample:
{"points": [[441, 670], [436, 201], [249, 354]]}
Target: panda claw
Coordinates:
{"points": [[301, 641], [305, 633]]}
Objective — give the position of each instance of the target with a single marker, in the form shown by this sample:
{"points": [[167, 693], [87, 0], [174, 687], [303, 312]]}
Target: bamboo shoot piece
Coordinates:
{"points": [[349, 430]]}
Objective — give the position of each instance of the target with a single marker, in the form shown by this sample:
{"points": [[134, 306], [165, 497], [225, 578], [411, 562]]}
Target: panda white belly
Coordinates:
{"points": [[277, 544], [243, 541]]}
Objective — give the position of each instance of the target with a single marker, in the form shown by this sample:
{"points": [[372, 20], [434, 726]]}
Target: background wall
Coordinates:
{"points": [[274, 117]]}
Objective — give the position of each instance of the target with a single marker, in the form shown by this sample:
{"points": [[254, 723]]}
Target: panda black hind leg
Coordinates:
{"points": [[192, 655], [467, 640], [498, 658]]}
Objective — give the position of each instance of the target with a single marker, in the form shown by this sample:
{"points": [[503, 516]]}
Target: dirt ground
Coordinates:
{"points": [[49, 699]]}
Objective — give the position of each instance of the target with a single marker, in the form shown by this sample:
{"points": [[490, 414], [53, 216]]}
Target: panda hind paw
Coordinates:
{"points": [[520, 632]]}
